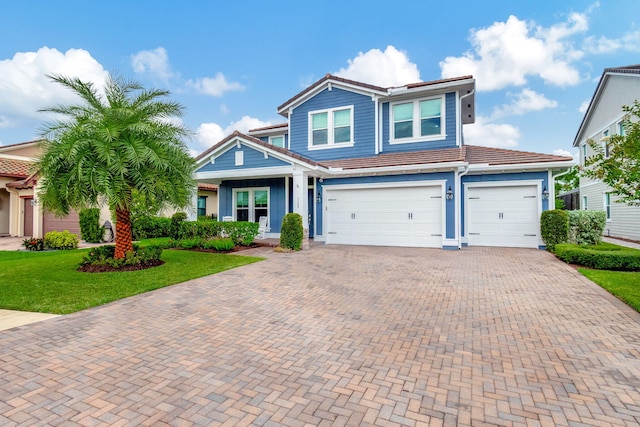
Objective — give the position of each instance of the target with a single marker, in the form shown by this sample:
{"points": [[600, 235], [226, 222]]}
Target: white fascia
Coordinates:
{"points": [[14, 157], [406, 169], [399, 91], [520, 167]]}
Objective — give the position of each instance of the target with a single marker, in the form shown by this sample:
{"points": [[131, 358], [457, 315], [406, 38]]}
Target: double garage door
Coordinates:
{"points": [[502, 216], [387, 216]]}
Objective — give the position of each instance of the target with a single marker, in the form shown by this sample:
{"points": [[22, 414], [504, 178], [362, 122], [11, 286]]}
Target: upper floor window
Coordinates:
{"points": [[584, 153], [605, 135], [421, 119], [331, 128], [278, 141]]}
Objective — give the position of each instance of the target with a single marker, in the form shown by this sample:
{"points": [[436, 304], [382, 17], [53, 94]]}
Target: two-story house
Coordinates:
{"points": [[617, 87], [369, 165]]}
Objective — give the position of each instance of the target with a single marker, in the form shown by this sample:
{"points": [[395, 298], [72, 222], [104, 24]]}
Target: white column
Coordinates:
{"points": [[192, 211], [301, 203]]}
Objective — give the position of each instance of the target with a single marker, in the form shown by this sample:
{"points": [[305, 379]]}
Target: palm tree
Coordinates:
{"points": [[111, 145]]}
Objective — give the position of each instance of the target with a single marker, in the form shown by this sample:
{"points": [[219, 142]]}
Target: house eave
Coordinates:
{"points": [[394, 170], [519, 167]]}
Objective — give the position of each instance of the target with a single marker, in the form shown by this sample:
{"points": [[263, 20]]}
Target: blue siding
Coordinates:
{"points": [[363, 128], [448, 176], [276, 198], [503, 177], [252, 159], [450, 127]]}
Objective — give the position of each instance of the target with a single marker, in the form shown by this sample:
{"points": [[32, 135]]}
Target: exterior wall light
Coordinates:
{"points": [[449, 193], [545, 193]]}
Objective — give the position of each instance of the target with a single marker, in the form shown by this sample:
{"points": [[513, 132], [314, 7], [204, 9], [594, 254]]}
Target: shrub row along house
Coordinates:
{"points": [[22, 215], [369, 165], [618, 87]]}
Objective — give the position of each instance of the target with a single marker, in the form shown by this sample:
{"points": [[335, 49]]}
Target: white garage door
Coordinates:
{"points": [[503, 216], [398, 216]]}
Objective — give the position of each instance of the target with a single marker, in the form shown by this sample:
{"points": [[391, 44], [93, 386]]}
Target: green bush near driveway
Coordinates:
{"points": [[601, 257], [291, 232], [61, 240], [554, 227], [49, 282]]}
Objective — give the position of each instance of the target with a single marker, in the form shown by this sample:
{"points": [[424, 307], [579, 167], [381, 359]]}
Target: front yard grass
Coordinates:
{"points": [[48, 282], [623, 284]]}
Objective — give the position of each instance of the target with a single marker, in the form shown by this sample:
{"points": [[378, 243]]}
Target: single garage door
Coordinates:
{"points": [[503, 216], [398, 216], [70, 222]]}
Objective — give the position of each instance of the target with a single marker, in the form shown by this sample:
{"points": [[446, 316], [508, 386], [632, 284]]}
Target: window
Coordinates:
{"points": [[421, 119], [331, 128], [621, 130], [584, 203], [278, 141], [584, 153], [251, 204], [605, 137], [607, 205], [202, 205]]}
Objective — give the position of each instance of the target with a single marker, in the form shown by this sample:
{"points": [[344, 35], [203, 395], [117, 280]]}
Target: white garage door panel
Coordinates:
{"points": [[503, 216], [409, 216]]}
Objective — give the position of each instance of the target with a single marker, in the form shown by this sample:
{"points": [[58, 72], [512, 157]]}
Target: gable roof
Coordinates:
{"points": [[329, 79], [5, 148], [633, 70], [256, 141]]}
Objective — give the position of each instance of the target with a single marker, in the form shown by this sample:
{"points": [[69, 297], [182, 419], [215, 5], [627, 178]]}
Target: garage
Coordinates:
{"points": [[503, 216], [70, 223], [386, 216]]}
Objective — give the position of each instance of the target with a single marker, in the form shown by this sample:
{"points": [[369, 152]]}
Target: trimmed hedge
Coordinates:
{"points": [[148, 227], [618, 259], [241, 233], [90, 229], [291, 233], [554, 227]]}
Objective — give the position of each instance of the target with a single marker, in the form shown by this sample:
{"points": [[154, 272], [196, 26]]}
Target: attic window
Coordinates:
{"points": [[277, 141]]}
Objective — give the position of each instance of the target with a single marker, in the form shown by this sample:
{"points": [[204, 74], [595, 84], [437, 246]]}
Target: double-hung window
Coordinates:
{"points": [[605, 139], [621, 130], [202, 205], [607, 205], [251, 203], [331, 128], [417, 120]]}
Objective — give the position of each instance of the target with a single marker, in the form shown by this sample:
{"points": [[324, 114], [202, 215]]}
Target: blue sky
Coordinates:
{"points": [[231, 64]]}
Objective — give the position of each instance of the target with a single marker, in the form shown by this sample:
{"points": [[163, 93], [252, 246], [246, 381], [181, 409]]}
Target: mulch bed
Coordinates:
{"points": [[109, 269]]}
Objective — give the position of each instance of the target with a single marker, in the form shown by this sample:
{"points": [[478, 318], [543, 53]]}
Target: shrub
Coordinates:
{"points": [[190, 243], [90, 228], [222, 244], [61, 240], [33, 244], [242, 233], [291, 233], [586, 227], [176, 221], [148, 227], [620, 259], [560, 204], [103, 256], [554, 227]]}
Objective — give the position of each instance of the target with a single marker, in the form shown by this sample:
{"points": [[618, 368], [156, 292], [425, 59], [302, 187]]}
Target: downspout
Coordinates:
{"points": [[458, 185]]}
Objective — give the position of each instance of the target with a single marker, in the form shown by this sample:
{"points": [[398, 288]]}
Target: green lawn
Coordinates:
{"points": [[623, 284], [48, 282]]}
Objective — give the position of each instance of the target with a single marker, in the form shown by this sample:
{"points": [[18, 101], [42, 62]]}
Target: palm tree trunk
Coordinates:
{"points": [[124, 237]]}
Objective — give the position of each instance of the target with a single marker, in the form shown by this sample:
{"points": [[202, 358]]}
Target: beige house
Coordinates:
{"points": [[22, 215]]}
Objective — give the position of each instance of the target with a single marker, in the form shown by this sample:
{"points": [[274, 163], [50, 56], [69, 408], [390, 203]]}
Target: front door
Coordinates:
{"points": [[310, 206], [28, 216]]}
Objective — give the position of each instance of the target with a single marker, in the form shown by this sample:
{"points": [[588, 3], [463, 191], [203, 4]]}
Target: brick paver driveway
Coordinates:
{"points": [[339, 336]]}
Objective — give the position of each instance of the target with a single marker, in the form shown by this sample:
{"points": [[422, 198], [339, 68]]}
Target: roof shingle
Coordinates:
{"points": [[13, 168]]}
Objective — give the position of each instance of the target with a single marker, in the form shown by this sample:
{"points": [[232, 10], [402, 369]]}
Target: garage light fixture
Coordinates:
{"points": [[545, 193], [449, 193]]}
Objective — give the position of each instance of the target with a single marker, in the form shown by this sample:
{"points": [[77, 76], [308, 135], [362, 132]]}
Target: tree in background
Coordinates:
{"points": [[112, 145], [568, 181], [619, 165]]}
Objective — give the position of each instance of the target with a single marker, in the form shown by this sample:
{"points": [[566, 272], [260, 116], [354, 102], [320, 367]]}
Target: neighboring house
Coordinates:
{"points": [[370, 165], [20, 212], [617, 87]]}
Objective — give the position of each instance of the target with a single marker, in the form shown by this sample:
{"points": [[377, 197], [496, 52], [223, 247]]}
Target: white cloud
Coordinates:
{"points": [[525, 101], [25, 87], [629, 41], [490, 134], [154, 62], [389, 68], [208, 134], [562, 152], [214, 86], [584, 106], [508, 53]]}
